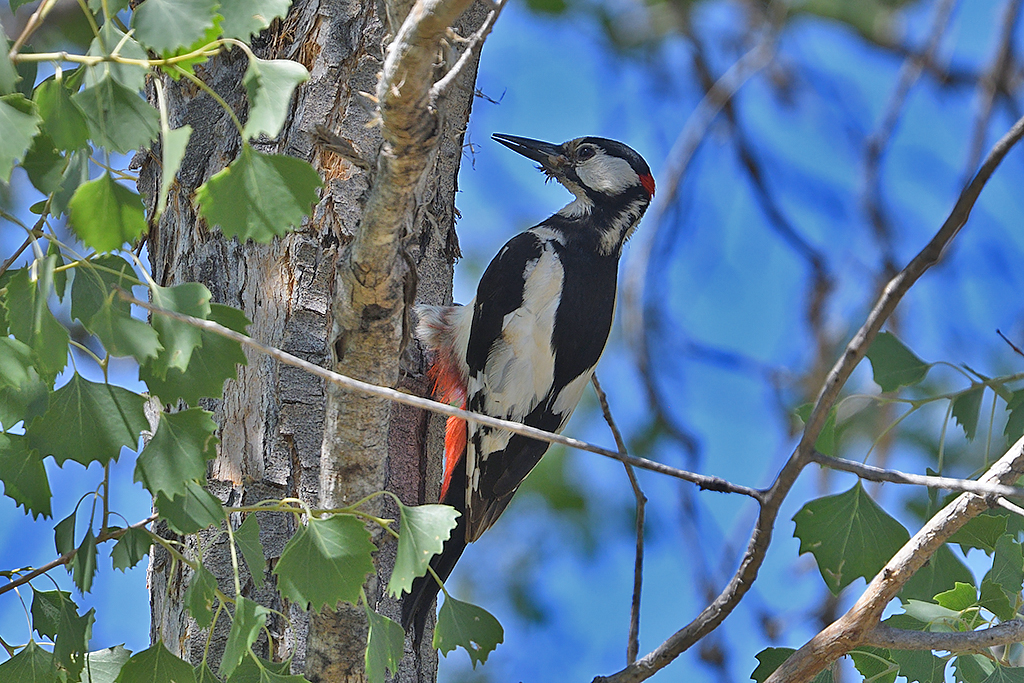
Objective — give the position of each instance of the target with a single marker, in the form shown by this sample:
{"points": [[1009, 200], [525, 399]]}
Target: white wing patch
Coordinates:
{"points": [[569, 397]]}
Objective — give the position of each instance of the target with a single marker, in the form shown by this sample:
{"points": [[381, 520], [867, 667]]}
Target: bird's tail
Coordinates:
{"points": [[420, 601]]}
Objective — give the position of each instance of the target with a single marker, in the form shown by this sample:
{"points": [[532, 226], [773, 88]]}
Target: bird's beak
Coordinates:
{"points": [[550, 157]]}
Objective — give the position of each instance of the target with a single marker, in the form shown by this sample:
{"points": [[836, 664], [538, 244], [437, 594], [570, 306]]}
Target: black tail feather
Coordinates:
{"points": [[420, 602]]}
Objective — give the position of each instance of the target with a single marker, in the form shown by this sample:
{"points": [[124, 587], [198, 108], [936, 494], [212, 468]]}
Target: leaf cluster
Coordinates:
{"points": [[69, 305]]}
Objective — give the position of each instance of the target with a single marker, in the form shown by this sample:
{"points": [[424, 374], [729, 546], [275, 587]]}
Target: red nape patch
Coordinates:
{"points": [[647, 181], [454, 449]]}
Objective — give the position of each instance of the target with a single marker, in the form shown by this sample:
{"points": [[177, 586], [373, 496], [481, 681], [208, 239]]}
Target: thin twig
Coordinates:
{"points": [[968, 641], [760, 538], [896, 477], [992, 81], [70, 555], [1007, 505], [633, 645], [1012, 345], [703, 481], [439, 89]]}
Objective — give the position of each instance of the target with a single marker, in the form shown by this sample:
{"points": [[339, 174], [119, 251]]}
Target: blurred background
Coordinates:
{"points": [[844, 133]]}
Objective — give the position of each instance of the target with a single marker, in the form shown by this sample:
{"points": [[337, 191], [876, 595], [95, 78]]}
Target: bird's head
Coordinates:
{"points": [[597, 170]]}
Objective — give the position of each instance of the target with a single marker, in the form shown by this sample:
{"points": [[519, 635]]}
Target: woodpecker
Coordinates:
{"points": [[526, 347]]}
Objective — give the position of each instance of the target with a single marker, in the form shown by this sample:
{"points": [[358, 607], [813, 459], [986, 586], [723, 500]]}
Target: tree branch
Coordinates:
{"points": [[760, 538], [853, 628], [633, 644], [896, 477], [970, 641], [703, 481]]}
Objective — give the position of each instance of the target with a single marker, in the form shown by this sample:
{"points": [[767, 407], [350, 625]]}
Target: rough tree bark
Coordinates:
{"points": [[314, 293]]}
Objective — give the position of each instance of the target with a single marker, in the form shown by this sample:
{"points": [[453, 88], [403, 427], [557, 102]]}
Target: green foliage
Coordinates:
{"points": [[20, 123], [130, 548], [247, 538], [248, 619], [325, 562], [178, 452], [893, 364], [106, 214], [244, 18], [460, 624], [384, 646], [103, 666], [424, 530], [156, 665], [259, 195], [32, 665], [165, 25], [200, 595], [772, 658], [849, 535], [966, 408], [270, 84]]}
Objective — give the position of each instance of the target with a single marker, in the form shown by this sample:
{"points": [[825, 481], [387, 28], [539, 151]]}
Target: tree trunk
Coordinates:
{"points": [[283, 434]]}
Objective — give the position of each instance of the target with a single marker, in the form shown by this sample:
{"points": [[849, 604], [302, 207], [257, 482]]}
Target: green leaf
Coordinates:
{"points": [[113, 6], [44, 165], [33, 664], [423, 532], [1015, 420], [23, 395], [270, 84], [980, 532], [9, 76], [849, 535], [123, 335], [63, 120], [172, 151], [994, 599], [60, 280], [195, 510], [247, 536], [210, 365], [874, 664], [460, 624], [103, 666], [179, 339], [895, 365], [47, 607], [106, 214], [166, 25], [64, 534], [245, 627], [130, 548], [243, 18], [205, 675], [1006, 674], [84, 564], [931, 614], [200, 595], [920, 666], [73, 633], [384, 646], [131, 76], [178, 452], [88, 422], [94, 286], [76, 173], [826, 442], [966, 407], [768, 660], [259, 196], [155, 665], [325, 562], [23, 476], [972, 668], [258, 670], [963, 596], [31, 321], [1007, 568], [119, 119], [940, 574], [20, 122]]}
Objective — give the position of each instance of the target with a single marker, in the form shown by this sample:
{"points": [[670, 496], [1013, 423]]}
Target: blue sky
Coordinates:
{"points": [[723, 280]]}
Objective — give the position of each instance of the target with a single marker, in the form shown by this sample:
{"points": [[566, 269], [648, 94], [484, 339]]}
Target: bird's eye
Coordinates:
{"points": [[585, 153]]}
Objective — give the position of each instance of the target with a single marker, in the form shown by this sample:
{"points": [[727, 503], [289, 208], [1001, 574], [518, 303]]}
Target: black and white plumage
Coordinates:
{"points": [[526, 347]]}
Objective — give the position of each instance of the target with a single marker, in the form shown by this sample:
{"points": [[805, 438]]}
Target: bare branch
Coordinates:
{"points": [[896, 477], [633, 645], [853, 628], [970, 641], [760, 538], [440, 88], [703, 481]]}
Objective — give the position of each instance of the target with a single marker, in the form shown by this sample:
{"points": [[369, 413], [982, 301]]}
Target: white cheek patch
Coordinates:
{"points": [[610, 175]]}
